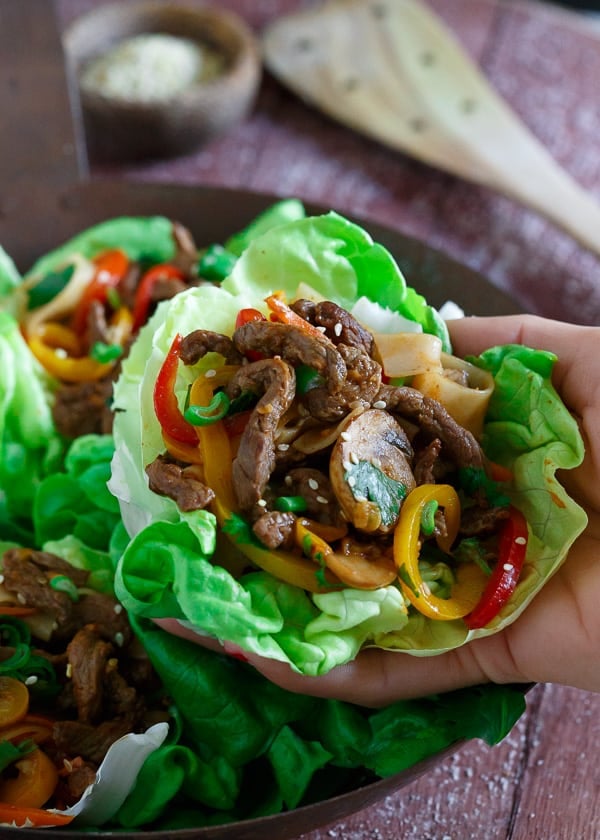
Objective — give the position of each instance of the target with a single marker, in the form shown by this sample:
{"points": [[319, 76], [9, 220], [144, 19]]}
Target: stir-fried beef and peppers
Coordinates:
{"points": [[345, 477], [73, 680]]}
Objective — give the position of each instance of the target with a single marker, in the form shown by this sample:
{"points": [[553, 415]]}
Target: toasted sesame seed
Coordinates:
{"points": [[118, 608], [376, 463], [265, 409], [69, 671], [67, 765], [313, 484], [21, 598], [119, 639], [360, 498], [338, 329], [322, 329], [283, 447], [521, 541], [210, 373], [288, 481], [351, 481], [261, 503], [322, 500], [380, 404], [31, 680], [508, 567], [347, 465], [345, 436], [354, 458]]}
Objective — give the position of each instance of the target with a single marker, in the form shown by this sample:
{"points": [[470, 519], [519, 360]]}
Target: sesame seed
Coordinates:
{"points": [[521, 541], [210, 373], [380, 404], [67, 765], [21, 598], [322, 500], [69, 671], [508, 567], [338, 329], [118, 609], [261, 503], [351, 481], [283, 447], [360, 498], [376, 463], [353, 458], [119, 639], [322, 329], [60, 352], [345, 436], [288, 481], [31, 680], [1, 578], [347, 465], [314, 485]]}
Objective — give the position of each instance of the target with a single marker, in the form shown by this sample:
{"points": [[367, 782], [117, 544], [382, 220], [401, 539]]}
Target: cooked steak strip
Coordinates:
{"points": [[198, 343], [83, 408], [340, 326], [167, 478]]}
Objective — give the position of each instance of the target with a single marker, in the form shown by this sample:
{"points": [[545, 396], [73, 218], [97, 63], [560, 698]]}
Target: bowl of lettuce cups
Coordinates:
{"points": [[269, 440]]}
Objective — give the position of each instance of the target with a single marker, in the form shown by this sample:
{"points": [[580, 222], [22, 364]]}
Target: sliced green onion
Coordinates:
{"points": [[62, 583], [291, 504], [216, 263], [203, 415], [104, 353], [307, 378], [428, 517]]}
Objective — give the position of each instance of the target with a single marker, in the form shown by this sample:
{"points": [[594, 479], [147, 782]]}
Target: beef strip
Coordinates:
{"points": [[361, 384], [88, 659], [186, 252], [168, 478], [425, 462], [295, 346], [74, 738], [458, 444], [197, 344], [27, 574], [340, 326], [315, 488], [255, 459], [166, 288], [97, 325], [480, 521], [83, 408], [107, 617], [275, 529]]}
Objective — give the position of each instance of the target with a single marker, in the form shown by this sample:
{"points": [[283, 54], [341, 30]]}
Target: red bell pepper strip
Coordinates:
{"points": [[166, 406], [143, 293], [246, 316], [22, 816], [111, 267], [505, 575]]}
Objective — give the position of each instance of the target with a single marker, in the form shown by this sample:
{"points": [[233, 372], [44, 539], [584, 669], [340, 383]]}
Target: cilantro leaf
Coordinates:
{"points": [[370, 483]]}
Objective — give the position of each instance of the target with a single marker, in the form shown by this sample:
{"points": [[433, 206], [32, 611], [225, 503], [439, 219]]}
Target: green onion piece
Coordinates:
{"points": [[49, 286], [9, 752], [428, 517], [18, 660], [291, 504], [203, 415], [13, 632], [62, 583], [216, 263], [307, 378], [105, 353], [113, 297]]}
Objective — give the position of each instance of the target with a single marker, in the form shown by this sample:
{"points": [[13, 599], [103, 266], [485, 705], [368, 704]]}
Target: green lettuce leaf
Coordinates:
{"points": [[528, 429]]}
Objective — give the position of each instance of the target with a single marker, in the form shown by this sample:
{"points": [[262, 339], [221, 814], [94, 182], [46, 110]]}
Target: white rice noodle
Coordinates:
{"points": [[408, 354], [467, 404]]}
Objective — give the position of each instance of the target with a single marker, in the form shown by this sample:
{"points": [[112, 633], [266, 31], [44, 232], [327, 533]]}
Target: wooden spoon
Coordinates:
{"points": [[392, 70]]}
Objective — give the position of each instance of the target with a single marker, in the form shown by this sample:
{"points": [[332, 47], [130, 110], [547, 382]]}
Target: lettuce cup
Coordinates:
{"points": [[305, 469]]}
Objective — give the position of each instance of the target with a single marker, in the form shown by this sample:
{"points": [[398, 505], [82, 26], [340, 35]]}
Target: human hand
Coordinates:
{"points": [[557, 638]]}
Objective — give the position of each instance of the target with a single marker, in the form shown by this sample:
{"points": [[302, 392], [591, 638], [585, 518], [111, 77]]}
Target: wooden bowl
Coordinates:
{"points": [[118, 128]]}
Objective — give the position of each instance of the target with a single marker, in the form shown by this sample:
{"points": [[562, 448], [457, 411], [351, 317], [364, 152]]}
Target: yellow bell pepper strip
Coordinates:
{"points": [[111, 267], [182, 451], [34, 783], [143, 293], [512, 549], [48, 346], [470, 579], [166, 406], [216, 452]]}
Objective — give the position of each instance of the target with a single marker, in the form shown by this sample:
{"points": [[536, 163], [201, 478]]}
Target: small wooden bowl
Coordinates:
{"points": [[128, 129]]}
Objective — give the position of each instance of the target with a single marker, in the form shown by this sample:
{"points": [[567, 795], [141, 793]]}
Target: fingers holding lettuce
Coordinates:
{"points": [[556, 638]]}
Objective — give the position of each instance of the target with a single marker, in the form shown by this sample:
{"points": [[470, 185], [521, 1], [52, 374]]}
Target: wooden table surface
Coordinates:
{"points": [[543, 781]]}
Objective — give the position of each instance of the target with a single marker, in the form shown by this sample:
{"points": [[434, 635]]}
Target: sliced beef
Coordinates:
{"points": [[481, 522], [295, 346], [315, 487], [27, 575], [458, 444], [198, 343], [255, 461], [340, 326], [425, 462], [83, 408], [186, 252], [168, 478], [74, 738], [88, 656], [361, 384], [275, 529], [107, 617], [166, 288]]}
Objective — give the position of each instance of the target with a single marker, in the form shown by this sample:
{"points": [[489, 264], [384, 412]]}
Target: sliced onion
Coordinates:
{"points": [[66, 300], [408, 354], [316, 439]]}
